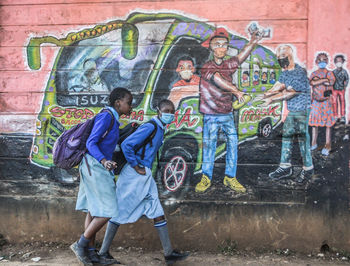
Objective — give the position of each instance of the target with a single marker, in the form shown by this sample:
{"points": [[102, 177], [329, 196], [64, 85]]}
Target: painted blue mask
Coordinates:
{"points": [[167, 118], [322, 64]]}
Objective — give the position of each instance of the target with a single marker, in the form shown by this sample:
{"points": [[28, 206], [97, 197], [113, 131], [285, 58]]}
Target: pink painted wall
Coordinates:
{"points": [[309, 25]]}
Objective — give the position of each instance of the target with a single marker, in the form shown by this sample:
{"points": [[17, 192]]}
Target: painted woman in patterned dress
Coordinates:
{"points": [[322, 114]]}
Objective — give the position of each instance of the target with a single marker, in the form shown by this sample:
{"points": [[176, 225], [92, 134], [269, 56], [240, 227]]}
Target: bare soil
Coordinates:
{"points": [[40, 254]]}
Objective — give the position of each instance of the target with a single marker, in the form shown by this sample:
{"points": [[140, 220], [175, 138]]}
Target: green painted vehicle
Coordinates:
{"points": [[141, 54]]}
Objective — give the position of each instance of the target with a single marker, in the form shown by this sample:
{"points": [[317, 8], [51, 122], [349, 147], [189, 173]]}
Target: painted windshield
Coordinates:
{"points": [[90, 69]]}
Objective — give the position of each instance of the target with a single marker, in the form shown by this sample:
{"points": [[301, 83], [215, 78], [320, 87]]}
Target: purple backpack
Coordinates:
{"points": [[70, 147]]}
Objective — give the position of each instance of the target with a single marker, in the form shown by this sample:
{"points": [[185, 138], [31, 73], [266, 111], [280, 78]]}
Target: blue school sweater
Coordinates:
{"points": [[105, 148], [137, 138]]}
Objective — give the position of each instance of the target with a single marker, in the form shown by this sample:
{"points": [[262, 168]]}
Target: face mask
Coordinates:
{"points": [[339, 64], [167, 118], [283, 62], [186, 74], [322, 65]]}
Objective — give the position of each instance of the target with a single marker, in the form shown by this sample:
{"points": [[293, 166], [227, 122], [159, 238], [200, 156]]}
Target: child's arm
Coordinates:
{"points": [[101, 125], [135, 140]]}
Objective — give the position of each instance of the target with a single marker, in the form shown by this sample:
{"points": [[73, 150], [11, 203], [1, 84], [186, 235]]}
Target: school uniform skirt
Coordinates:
{"points": [[96, 191], [136, 195]]}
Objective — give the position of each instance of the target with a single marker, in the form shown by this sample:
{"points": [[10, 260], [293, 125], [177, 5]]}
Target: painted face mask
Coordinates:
{"points": [[322, 64], [283, 62], [186, 74], [339, 64], [167, 118]]}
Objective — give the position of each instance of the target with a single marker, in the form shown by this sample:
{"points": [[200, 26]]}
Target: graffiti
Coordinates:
{"points": [[135, 116], [256, 114], [321, 114], [226, 90], [194, 29], [216, 99], [188, 120], [340, 85], [76, 113], [135, 60]]}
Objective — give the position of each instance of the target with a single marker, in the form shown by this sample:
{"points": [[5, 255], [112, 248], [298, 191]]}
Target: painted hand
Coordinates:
{"points": [[266, 102], [240, 96]]}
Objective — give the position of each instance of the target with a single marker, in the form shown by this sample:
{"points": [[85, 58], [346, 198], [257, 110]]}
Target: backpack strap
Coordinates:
{"points": [[148, 139], [110, 125]]}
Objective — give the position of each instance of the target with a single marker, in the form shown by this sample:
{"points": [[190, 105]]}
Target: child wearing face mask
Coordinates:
{"points": [[188, 85], [341, 82], [321, 114], [137, 193]]}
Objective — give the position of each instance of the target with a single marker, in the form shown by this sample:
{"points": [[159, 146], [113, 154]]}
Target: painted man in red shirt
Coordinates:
{"points": [[216, 93]]}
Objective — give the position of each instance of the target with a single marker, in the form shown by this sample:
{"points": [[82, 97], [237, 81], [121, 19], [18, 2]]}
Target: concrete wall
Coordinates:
{"points": [[59, 60]]}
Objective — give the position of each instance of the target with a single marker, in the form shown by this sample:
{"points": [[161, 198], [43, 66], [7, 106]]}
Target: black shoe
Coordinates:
{"points": [[175, 256], [93, 256], [281, 173], [107, 259], [304, 176], [81, 253]]}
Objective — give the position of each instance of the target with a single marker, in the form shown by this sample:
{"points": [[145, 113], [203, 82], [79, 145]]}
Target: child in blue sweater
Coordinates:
{"points": [[136, 192], [97, 194]]}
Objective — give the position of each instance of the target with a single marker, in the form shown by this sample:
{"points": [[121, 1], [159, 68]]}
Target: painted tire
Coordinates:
{"points": [[176, 171]]}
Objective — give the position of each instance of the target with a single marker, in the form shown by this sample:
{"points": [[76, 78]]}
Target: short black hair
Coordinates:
{"points": [[320, 54], [185, 58], [165, 102], [339, 56], [117, 94]]}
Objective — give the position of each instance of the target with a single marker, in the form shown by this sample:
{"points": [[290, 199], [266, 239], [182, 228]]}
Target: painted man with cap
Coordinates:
{"points": [[216, 93]]}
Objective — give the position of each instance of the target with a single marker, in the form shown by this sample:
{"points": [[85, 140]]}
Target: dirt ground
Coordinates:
{"points": [[40, 254]]}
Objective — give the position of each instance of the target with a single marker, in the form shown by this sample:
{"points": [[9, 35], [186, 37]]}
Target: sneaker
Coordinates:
{"points": [[304, 176], [204, 184], [107, 259], [281, 173], [325, 152], [81, 253], [233, 184], [92, 254], [313, 147], [175, 256]]}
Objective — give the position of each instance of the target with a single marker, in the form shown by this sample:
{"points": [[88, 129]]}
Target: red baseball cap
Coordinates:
{"points": [[219, 32]]}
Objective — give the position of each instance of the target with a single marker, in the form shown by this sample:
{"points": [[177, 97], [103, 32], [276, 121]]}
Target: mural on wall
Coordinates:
{"points": [[222, 85]]}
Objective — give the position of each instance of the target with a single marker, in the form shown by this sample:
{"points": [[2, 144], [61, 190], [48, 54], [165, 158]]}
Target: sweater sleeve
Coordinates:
{"points": [[101, 125], [135, 140]]}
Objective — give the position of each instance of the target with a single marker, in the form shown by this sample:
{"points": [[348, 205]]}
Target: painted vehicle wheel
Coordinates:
{"points": [[265, 128], [175, 173]]}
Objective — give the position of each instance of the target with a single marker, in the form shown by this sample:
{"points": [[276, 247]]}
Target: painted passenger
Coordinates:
{"points": [[245, 79], [216, 98], [90, 81], [292, 86], [272, 77], [264, 78], [322, 114], [97, 188], [188, 85], [340, 85], [137, 193], [256, 78]]}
